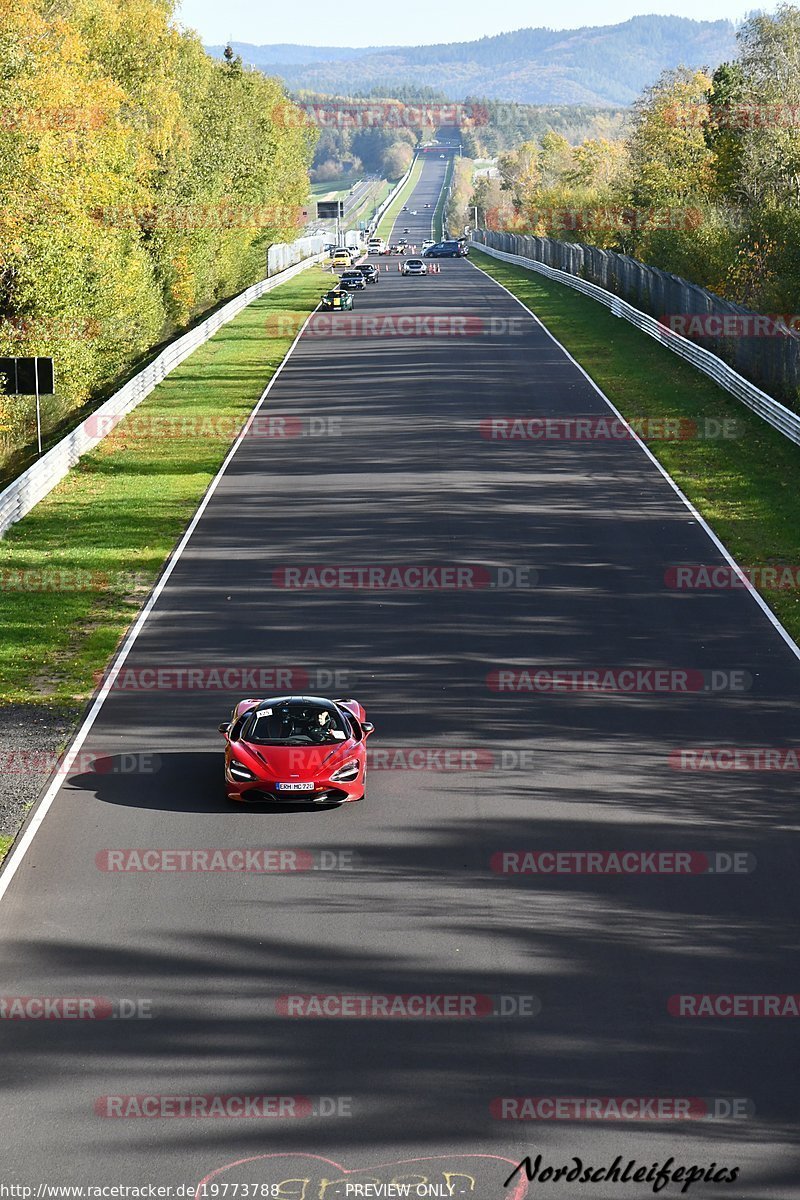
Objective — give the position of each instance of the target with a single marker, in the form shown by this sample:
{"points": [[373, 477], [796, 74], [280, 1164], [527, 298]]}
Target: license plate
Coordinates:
{"points": [[294, 787]]}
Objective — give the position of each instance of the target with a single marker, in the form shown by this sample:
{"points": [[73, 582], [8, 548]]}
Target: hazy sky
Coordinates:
{"points": [[416, 22]]}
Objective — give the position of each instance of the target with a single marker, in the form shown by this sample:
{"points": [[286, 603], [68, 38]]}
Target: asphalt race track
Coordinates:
{"points": [[569, 542]]}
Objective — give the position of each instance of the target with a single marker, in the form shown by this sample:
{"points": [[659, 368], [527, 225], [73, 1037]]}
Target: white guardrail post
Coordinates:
{"points": [[34, 484], [767, 407]]}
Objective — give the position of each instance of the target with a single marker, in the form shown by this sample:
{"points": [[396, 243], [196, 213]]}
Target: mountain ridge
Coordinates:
{"points": [[595, 64]]}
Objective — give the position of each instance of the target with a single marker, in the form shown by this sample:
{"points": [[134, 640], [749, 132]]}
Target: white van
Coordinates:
{"points": [[376, 245]]}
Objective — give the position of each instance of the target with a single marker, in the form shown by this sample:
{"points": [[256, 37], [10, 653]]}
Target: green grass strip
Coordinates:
{"points": [[333, 189], [375, 197], [77, 567], [390, 216], [438, 216], [745, 486]]}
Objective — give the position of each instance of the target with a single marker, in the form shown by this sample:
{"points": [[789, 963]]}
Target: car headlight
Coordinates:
{"points": [[239, 771], [347, 773]]}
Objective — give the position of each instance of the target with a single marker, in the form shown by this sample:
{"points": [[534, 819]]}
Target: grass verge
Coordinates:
{"points": [[746, 486], [390, 216], [438, 216], [76, 568], [5, 845], [374, 199], [332, 189]]}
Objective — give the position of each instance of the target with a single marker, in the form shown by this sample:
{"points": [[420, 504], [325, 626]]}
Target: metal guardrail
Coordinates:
{"points": [[401, 183], [39, 479], [283, 255], [767, 407], [444, 226]]}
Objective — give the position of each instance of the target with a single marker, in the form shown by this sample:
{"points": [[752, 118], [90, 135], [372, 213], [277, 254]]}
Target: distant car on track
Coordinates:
{"points": [[427, 245], [370, 272], [335, 300], [449, 249], [296, 749], [414, 266], [352, 281]]}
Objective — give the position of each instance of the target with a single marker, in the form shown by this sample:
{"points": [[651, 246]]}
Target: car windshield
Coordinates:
{"points": [[295, 724]]}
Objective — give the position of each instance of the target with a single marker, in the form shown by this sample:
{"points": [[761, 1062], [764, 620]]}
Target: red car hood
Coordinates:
{"points": [[284, 762]]}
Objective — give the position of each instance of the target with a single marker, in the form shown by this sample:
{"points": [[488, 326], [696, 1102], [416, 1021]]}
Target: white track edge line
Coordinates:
{"points": [[762, 604], [14, 859]]}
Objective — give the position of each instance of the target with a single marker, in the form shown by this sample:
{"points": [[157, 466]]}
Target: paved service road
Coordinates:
{"points": [[392, 470]]}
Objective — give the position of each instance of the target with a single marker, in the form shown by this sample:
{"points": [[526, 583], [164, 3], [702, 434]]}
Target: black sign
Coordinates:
{"points": [[327, 209], [18, 376]]}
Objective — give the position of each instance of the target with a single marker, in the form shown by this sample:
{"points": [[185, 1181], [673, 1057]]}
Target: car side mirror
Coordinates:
{"points": [[367, 728], [225, 727]]}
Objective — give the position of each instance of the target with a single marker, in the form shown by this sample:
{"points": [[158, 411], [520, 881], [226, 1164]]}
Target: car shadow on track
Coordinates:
{"points": [[184, 782]]}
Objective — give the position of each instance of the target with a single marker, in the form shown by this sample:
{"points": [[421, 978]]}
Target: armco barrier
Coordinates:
{"points": [[35, 483], [769, 360], [401, 183], [769, 409], [283, 255]]}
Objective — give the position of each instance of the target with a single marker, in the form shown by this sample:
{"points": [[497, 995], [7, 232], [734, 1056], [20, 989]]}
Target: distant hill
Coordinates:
{"points": [[289, 55], [605, 65]]}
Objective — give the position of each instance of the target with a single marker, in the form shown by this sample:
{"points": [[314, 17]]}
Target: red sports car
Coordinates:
{"points": [[296, 748]]}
